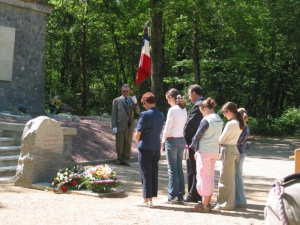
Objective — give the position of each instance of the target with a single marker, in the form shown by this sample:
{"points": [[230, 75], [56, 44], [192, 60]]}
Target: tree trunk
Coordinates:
{"points": [[119, 81], [157, 59], [83, 65], [196, 54]]}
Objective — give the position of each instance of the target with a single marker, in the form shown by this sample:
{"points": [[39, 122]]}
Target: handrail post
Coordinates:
{"points": [[297, 160]]}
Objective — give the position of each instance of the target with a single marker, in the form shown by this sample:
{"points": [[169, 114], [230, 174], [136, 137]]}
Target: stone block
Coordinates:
{"points": [[41, 152], [75, 119]]}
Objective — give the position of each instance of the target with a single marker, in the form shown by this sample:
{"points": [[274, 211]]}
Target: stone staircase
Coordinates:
{"points": [[9, 155]]}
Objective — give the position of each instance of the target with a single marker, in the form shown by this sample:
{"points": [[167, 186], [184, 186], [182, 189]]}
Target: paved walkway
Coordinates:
{"points": [[265, 162]]}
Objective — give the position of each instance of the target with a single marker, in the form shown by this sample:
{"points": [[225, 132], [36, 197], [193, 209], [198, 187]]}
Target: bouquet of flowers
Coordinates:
{"points": [[67, 179], [55, 104], [100, 179]]}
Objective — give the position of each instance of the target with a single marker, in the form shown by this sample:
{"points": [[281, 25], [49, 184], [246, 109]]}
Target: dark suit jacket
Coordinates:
{"points": [[150, 125], [193, 122]]}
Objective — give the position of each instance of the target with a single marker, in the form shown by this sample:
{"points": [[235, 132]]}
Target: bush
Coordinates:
{"points": [[288, 124]]}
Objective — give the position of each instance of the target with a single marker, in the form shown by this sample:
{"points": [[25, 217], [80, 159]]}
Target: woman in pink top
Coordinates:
{"points": [[229, 156], [173, 143]]}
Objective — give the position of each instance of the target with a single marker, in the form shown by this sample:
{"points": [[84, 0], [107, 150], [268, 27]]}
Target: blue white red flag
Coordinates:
{"points": [[144, 69]]}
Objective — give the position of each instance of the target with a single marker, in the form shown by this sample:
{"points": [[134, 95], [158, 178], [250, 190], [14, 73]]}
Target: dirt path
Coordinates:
{"points": [[267, 159]]}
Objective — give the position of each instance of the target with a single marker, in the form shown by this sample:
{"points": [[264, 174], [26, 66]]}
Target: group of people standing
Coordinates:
{"points": [[200, 132]]}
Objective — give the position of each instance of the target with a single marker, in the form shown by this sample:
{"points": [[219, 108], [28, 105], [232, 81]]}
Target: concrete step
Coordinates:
{"points": [[10, 150], [7, 179], [5, 141], [1, 133], [6, 171], [10, 160]]}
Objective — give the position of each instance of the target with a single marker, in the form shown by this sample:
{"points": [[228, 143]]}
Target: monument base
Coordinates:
{"points": [[8, 115]]}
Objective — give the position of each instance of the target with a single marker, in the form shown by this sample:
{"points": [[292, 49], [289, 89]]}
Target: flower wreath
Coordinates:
{"points": [[100, 178]]}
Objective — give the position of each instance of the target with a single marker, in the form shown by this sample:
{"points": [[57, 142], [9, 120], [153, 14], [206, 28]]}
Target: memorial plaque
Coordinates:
{"points": [[41, 152], [7, 43]]}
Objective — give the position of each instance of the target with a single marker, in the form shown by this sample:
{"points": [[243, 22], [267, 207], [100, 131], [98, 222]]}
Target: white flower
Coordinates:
{"points": [[66, 173]]}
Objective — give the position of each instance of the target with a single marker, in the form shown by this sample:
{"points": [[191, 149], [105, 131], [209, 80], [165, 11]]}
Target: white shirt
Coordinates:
{"points": [[175, 122], [231, 133]]}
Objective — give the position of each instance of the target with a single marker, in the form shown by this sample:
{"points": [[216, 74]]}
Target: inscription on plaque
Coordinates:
{"points": [[7, 43]]}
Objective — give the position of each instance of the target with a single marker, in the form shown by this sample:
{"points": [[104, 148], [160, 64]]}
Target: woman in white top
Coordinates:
{"points": [[229, 156], [173, 143]]}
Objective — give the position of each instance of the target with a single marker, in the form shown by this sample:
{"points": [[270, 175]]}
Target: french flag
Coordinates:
{"points": [[144, 70]]}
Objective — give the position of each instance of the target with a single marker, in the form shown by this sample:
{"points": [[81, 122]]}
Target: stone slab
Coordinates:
{"points": [[8, 115], [60, 117], [44, 186], [101, 118], [41, 151]]}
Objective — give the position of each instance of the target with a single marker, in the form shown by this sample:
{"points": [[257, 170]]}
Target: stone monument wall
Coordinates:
{"points": [[27, 20]]}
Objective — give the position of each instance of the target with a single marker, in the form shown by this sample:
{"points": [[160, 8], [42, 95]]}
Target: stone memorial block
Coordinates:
{"points": [[41, 152]]}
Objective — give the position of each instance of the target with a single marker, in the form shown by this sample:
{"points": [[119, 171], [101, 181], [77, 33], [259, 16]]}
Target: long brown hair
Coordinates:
{"points": [[232, 107], [244, 114], [174, 93]]}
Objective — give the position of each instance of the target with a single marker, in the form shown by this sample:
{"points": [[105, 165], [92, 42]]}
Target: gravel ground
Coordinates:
{"points": [[267, 159]]}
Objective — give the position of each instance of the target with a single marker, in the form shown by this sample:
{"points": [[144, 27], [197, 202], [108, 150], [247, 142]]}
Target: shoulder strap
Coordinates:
{"points": [[291, 177], [288, 178]]}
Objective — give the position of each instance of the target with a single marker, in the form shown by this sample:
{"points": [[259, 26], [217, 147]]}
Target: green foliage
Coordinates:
{"points": [[288, 124], [248, 53]]}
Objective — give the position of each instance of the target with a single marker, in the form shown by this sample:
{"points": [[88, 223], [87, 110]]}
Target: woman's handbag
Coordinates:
{"points": [[283, 203], [186, 153]]}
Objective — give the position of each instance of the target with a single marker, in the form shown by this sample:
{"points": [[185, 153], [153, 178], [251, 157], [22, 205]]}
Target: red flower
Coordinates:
{"points": [[64, 188], [73, 182]]}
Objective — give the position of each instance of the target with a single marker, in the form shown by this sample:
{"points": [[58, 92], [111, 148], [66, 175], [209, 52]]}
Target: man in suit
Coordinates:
{"points": [[122, 123], [195, 116]]}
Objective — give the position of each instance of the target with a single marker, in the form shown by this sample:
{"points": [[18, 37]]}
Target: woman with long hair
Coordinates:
{"points": [[229, 155], [240, 198], [173, 143]]}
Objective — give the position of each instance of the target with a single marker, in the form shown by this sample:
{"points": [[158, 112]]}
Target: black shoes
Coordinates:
{"points": [[118, 162], [125, 163], [190, 199]]}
